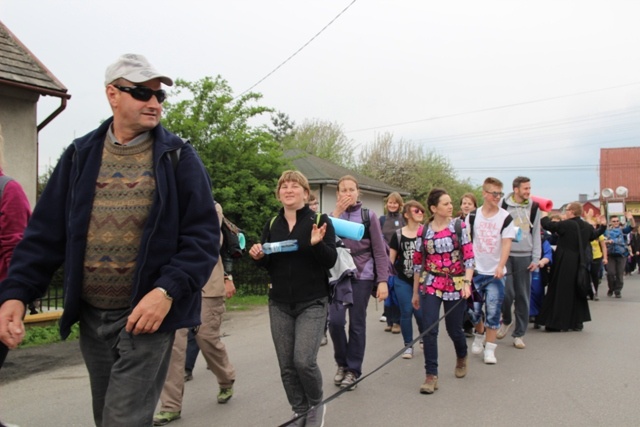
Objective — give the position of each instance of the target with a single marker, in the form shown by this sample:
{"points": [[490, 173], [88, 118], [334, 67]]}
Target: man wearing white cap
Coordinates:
{"points": [[129, 212]]}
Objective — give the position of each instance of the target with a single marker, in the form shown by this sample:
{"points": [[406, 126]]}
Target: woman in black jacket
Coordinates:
{"points": [[298, 294]]}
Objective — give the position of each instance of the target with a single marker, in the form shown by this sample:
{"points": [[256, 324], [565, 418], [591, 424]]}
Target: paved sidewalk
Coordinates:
{"points": [[588, 378]]}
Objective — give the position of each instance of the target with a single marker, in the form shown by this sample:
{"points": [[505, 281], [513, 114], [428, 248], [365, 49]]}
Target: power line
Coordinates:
{"points": [[300, 49], [500, 107]]}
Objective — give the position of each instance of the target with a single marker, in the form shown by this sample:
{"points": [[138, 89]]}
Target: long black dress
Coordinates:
{"points": [[562, 308]]}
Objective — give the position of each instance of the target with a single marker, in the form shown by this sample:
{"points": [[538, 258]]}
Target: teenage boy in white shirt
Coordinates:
{"points": [[492, 231]]}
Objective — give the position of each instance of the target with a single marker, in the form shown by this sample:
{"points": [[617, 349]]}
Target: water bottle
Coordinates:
{"points": [[518, 236], [284, 246]]}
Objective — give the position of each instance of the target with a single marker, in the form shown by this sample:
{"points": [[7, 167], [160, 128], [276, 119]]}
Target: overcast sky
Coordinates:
{"points": [[501, 88]]}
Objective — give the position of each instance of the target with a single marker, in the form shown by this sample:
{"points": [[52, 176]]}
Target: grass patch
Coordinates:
{"points": [[242, 302], [41, 335]]}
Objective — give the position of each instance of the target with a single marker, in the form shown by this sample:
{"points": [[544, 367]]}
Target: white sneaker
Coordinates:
{"points": [[383, 318], [504, 330], [518, 343], [489, 353], [478, 343], [408, 353]]}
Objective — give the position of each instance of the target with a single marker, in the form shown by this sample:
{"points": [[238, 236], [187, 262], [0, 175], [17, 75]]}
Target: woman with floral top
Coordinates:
{"points": [[445, 255]]}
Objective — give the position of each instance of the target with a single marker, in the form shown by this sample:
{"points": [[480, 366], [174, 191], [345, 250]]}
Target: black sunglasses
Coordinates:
{"points": [[143, 93]]}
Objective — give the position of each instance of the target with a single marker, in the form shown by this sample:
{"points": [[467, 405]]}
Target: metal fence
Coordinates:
{"points": [[249, 280]]}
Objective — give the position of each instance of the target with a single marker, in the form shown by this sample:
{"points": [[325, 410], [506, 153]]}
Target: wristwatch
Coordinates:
{"points": [[228, 277], [166, 294]]}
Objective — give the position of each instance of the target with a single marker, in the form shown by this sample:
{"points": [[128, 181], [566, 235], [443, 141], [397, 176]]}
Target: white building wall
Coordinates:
{"points": [[18, 117]]}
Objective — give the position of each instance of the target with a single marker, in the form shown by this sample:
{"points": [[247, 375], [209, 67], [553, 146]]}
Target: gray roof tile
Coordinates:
{"points": [[19, 65]]}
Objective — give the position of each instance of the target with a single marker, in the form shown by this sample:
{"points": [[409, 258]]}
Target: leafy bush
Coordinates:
{"points": [[40, 335]]}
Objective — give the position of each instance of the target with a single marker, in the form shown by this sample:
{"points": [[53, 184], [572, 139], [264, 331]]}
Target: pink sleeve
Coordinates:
{"points": [[14, 215]]}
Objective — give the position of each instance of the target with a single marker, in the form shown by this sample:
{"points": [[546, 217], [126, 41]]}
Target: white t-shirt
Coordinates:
{"points": [[487, 239]]}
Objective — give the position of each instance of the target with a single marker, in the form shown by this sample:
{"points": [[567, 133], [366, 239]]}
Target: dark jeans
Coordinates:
{"points": [[615, 273], [430, 307], [192, 351], [4, 350], [392, 313], [126, 371], [349, 350], [296, 330], [594, 269]]}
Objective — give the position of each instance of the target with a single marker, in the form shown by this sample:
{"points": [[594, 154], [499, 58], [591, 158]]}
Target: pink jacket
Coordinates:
{"points": [[14, 215]]}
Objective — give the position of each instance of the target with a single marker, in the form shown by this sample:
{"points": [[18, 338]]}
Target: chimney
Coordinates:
{"points": [[582, 198]]}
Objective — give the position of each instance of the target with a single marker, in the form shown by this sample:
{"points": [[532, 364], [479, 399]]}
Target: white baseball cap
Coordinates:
{"points": [[135, 68]]}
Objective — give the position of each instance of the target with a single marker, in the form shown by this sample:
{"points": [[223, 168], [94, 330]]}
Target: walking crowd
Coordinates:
{"points": [[128, 212]]}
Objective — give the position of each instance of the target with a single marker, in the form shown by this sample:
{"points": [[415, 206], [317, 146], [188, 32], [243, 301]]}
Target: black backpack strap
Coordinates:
{"points": [[399, 236], [472, 218], [366, 221], [534, 211], [458, 229], [508, 220]]}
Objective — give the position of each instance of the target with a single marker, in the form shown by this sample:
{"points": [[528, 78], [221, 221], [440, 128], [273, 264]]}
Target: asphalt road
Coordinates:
{"points": [[588, 378]]}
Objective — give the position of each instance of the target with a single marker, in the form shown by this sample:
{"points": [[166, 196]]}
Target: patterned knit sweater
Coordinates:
{"points": [[124, 193]]}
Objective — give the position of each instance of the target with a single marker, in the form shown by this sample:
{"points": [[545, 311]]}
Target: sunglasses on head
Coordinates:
{"points": [[417, 210], [143, 93]]}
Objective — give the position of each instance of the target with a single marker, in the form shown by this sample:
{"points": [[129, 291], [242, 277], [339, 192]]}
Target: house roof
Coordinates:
{"points": [[618, 167], [20, 68], [321, 171]]}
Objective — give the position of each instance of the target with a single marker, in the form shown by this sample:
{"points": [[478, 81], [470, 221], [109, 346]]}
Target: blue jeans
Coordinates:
{"points": [[430, 306], [404, 292], [296, 330], [126, 371], [349, 351], [491, 291], [537, 293]]}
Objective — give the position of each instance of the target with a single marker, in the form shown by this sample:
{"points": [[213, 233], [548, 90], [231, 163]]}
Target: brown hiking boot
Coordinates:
{"points": [[430, 384], [461, 367]]}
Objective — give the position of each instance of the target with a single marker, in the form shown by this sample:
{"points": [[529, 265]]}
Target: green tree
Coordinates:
{"points": [[244, 161], [324, 139], [283, 127], [406, 165]]}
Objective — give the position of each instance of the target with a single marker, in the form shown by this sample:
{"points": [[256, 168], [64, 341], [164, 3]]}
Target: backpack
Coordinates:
{"points": [[4, 180], [366, 221], [534, 211], [234, 241]]}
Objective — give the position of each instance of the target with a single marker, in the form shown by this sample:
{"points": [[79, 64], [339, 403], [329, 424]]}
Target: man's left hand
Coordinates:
{"points": [[148, 315], [229, 288], [532, 267]]}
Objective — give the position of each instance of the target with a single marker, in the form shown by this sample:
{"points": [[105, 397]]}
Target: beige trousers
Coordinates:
{"points": [[212, 348]]}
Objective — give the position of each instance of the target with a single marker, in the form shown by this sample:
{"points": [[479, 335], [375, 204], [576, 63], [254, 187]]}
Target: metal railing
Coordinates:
{"points": [[248, 278]]}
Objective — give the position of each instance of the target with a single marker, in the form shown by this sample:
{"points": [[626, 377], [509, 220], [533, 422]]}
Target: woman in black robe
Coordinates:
{"points": [[562, 308]]}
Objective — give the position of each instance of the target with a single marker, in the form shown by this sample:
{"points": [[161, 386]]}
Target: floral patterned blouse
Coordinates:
{"points": [[445, 262]]}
